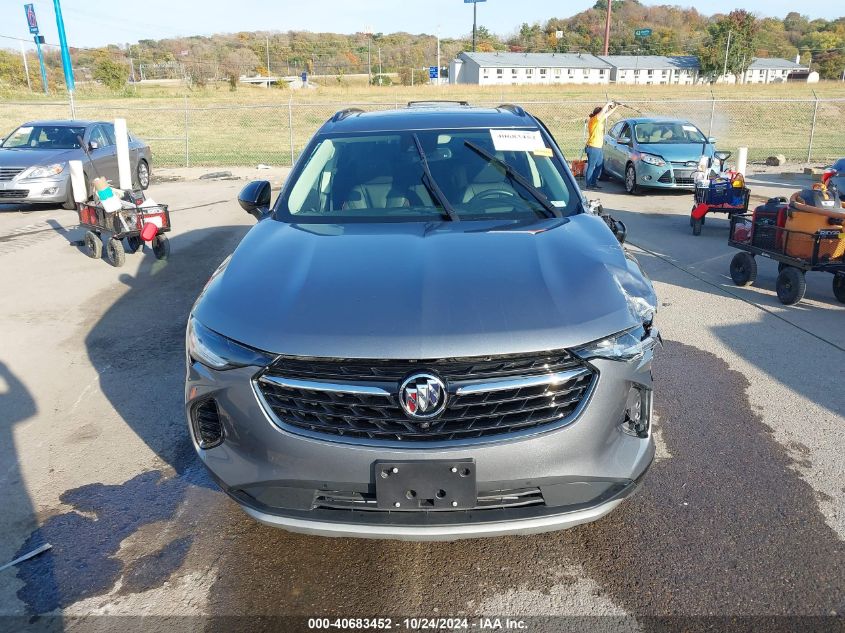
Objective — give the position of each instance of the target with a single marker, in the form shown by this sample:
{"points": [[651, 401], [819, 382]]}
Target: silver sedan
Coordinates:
{"points": [[34, 160]]}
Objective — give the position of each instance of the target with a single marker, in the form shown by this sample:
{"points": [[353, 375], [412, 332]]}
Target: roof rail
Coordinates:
{"points": [[342, 114], [517, 110], [435, 102]]}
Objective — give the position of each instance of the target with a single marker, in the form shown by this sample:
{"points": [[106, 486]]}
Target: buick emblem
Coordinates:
{"points": [[422, 396]]}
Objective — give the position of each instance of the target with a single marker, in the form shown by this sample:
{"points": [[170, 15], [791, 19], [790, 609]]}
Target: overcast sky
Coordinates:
{"points": [[98, 22]]}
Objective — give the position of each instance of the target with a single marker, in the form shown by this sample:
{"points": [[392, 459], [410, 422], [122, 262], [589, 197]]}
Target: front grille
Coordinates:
{"points": [[485, 398], [7, 173], [493, 500], [684, 177], [14, 193]]}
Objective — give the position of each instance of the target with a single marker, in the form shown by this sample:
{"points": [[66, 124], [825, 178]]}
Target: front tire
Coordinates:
{"points": [[697, 223], [93, 245], [839, 288], [631, 180], [142, 174], [743, 269], [791, 285], [116, 253], [161, 246]]}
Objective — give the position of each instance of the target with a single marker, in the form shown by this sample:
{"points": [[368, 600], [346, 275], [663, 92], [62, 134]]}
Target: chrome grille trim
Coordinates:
{"points": [[519, 383], [8, 173], [329, 387]]}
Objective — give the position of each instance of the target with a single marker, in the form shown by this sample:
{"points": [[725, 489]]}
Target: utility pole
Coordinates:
{"points": [[369, 59], [607, 28], [267, 44], [727, 48], [474, 27], [26, 67], [379, 65]]}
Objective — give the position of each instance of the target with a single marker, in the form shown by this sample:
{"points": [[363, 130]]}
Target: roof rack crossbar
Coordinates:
{"points": [[342, 114], [510, 107], [429, 102]]}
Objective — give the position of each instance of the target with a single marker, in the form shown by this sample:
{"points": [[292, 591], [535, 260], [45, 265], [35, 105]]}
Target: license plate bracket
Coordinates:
{"points": [[426, 485]]}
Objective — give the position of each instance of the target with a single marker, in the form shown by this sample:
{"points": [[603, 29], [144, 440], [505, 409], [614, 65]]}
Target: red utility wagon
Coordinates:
{"points": [[136, 224]]}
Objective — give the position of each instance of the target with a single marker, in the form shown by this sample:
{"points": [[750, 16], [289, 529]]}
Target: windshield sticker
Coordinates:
{"points": [[517, 140], [690, 128], [543, 151], [558, 203]]}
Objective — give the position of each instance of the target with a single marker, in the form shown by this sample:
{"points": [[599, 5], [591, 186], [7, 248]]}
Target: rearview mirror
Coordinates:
{"points": [[254, 198]]}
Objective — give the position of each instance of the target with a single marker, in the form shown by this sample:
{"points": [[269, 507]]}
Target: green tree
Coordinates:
{"points": [[738, 28], [111, 73]]}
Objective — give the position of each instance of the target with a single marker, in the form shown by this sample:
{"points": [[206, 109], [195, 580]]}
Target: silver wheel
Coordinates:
{"points": [[630, 179], [143, 174]]}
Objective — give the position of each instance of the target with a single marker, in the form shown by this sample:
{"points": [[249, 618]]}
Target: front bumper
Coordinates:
{"points": [[582, 471], [40, 191], [668, 176]]}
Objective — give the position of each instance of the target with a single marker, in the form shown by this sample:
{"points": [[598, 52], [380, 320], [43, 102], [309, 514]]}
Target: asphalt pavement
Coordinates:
{"points": [[739, 525]]}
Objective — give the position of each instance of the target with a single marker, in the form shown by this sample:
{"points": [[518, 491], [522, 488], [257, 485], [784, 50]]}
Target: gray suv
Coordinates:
{"points": [[430, 335]]}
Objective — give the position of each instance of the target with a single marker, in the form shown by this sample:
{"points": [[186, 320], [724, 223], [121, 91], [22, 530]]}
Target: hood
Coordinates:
{"points": [[423, 291], [14, 157], [677, 152]]}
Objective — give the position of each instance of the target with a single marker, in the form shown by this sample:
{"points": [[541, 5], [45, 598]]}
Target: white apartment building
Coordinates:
{"points": [[652, 69], [504, 69]]}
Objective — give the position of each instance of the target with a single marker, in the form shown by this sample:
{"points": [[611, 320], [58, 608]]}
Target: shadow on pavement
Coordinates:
{"points": [[137, 348]]}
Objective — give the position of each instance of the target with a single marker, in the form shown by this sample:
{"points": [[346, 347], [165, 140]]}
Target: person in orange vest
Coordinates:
{"points": [[595, 141]]}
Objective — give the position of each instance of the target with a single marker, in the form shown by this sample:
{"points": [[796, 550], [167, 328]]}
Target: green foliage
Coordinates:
{"points": [[110, 72], [11, 69], [381, 80], [732, 34]]}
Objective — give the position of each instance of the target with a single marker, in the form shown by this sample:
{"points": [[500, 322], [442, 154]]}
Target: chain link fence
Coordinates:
{"points": [[182, 133]]}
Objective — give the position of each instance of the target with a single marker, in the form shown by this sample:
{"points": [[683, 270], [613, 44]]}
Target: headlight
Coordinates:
{"points": [[625, 345], [43, 171], [651, 159], [218, 352]]}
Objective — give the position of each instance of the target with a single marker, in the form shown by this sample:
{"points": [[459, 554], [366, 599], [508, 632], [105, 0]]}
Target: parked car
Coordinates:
{"points": [[658, 153], [429, 335], [34, 160]]}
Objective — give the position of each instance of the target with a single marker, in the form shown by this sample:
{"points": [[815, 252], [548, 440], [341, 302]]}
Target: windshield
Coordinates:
{"points": [[381, 177], [653, 132], [44, 137]]}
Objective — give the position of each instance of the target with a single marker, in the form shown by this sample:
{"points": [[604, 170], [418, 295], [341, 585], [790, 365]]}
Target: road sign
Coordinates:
{"points": [[559, 35], [304, 77], [433, 72], [473, 1], [30, 18], [642, 32]]}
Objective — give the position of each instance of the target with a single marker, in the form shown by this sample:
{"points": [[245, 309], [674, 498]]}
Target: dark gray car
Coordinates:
{"points": [[428, 336], [34, 160]]}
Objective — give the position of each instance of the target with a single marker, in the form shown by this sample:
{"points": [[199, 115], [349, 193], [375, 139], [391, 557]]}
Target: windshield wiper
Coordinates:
{"points": [[431, 184], [518, 178]]}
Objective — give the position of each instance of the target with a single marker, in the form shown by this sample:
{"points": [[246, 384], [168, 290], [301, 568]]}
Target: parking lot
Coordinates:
{"points": [[742, 515]]}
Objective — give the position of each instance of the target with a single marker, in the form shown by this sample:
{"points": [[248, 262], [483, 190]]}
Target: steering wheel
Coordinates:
{"points": [[502, 195]]}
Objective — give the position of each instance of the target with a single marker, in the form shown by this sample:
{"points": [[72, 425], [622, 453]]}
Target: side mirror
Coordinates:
{"points": [[254, 198], [92, 145], [625, 140], [711, 140]]}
